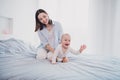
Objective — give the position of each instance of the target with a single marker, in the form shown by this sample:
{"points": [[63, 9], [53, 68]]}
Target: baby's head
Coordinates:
{"points": [[65, 40]]}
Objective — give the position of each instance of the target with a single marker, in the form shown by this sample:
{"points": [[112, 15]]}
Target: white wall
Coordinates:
{"points": [[116, 29], [23, 13], [51, 6], [100, 23], [104, 18]]}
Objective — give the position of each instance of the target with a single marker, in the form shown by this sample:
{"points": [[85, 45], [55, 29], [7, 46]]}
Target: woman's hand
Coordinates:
{"points": [[49, 48], [82, 48]]}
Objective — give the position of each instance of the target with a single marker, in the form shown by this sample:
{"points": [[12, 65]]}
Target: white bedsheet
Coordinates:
{"points": [[17, 62]]}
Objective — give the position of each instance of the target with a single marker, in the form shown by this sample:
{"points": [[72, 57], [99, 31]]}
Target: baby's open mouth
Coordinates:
{"points": [[67, 44]]}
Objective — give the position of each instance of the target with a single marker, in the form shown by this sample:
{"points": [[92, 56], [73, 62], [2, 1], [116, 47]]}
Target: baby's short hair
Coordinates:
{"points": [[65, 34]]}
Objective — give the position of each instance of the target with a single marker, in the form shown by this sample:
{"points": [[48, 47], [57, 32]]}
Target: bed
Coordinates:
{"points": [[17, 62]]}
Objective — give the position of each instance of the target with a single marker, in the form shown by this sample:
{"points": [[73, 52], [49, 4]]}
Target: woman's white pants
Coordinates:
{"points": [[43, 54]]}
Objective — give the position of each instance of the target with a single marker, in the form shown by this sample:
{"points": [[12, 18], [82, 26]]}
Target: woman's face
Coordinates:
{"points": [[43, 18]]}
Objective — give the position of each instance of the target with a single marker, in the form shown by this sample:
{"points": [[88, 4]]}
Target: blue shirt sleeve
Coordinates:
{"points": [[60, 32], [43, 39]]}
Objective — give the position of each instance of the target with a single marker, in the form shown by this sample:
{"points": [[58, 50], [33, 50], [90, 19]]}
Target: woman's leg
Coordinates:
{"points": [[41, 54]]}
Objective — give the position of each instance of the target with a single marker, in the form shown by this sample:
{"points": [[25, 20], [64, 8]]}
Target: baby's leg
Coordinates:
{"points": [[65, 59], [41, 54]]}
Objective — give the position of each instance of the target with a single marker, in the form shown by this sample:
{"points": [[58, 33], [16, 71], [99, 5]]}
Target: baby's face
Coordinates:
{"points": [[66, 41]]}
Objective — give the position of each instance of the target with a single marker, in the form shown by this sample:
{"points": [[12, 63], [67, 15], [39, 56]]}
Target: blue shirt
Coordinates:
{"points": [[44, 35]]}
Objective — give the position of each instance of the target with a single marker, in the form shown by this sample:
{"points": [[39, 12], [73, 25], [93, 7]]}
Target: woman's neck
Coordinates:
{"points": [[49, 27]]}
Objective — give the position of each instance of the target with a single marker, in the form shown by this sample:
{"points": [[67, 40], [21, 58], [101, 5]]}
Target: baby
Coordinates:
{"points": [[63, 49]]}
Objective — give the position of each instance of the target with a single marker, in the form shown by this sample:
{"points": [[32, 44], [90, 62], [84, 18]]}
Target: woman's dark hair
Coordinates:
{"points": [[39, 25]]}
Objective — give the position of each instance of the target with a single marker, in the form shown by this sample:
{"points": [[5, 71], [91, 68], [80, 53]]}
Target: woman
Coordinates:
{"points": [[49, 32]]}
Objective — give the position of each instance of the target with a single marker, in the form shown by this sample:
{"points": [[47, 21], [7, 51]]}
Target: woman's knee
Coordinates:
{"points": [[41, 54]]}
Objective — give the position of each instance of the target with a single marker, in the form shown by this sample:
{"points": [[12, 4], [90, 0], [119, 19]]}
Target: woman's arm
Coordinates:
{"points": [[43, 39], [60, 31]]}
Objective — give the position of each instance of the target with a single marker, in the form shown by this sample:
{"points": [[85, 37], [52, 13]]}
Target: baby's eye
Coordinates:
{"points": [[65, 40]]}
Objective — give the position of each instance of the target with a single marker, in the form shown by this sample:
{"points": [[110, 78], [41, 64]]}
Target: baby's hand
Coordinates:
{"points": [[53, 62], [82, 48]]}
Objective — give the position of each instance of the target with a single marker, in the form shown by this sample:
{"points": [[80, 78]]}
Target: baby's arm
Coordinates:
{"points": [[77, 51], [73, 51], [55, 54], [53, 59]]}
